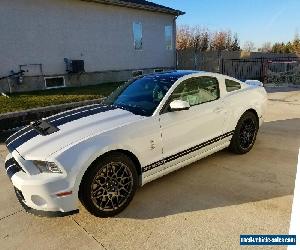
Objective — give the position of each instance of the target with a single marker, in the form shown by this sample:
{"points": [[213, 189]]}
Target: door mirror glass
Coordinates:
{"points": [[179, 105]]}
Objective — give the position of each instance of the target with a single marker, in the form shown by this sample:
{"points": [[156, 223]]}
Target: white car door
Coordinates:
{"points": [[186, 133]]}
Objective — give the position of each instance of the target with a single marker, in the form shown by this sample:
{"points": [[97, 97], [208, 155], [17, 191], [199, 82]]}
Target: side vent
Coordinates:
{"points": [[74, 66], [77, 66]]}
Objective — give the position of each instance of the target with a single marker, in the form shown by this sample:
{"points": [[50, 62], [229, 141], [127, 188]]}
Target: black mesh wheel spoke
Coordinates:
{"points": [[247, 133], [112, 186]]}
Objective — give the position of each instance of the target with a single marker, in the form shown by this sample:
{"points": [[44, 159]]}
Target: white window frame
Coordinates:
{"points": [[169, 28], [52, 77], [137, 36], [135, 71]]}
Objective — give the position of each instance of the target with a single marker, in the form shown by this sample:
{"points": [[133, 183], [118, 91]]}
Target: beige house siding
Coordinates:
{"points": [[47, 31]]}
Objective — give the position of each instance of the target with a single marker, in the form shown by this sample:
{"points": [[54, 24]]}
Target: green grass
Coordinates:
{"points": [[34, 99]]}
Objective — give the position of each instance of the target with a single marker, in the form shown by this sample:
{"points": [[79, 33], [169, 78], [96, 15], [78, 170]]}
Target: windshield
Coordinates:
{"points": [[141, 96]]}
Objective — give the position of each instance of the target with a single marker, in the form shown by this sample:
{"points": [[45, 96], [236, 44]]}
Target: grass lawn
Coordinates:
{"points": [[34, 99]]}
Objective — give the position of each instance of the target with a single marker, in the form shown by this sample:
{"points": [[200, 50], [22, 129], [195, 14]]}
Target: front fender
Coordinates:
{"points": [[76, 159]]}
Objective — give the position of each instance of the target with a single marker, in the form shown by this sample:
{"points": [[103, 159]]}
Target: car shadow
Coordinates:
{"points": [[225, 179]]}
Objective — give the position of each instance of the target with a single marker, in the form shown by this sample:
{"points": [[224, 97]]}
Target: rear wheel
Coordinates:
{"points": [[109, 185], [245, 134]]}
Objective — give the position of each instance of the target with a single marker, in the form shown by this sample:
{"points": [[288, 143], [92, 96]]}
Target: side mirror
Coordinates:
{"points": [[179, 105]]}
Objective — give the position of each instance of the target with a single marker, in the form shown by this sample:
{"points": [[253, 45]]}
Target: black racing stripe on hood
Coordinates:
{"points": [[21, 140], [80, 115], [71, 112], [31, 133], [17, 134], [9, 162], [52, 118]]}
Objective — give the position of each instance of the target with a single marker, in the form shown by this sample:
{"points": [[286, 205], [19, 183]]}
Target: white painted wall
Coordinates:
{"points": [[47, 31]]}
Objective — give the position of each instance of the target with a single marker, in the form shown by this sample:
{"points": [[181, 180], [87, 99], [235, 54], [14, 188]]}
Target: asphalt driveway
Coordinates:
{"points": [[206, 205]]}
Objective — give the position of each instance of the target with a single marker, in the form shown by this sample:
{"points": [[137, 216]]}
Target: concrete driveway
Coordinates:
{"points": [[206, 205]]}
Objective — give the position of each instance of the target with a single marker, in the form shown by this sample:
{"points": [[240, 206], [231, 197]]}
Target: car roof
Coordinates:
{"points": [[173, 75]]}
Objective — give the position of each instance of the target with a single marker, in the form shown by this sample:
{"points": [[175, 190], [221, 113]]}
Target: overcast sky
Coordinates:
{"points": [[254, 20]]}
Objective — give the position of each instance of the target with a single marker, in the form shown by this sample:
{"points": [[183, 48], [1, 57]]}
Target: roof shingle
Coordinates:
{"points": [[140, 4]]}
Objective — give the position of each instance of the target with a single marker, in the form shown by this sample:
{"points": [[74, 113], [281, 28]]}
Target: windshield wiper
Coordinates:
{"points": [[132, 109], [120, 106]]}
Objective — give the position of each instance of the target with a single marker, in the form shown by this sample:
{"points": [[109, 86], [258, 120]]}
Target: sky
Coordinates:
{"points": [[258, 21]]}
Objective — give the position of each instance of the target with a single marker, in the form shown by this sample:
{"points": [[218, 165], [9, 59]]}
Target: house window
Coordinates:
{"points": [[137, 73], [138, 36], [169, 37], [54, 82], [158, 70]]}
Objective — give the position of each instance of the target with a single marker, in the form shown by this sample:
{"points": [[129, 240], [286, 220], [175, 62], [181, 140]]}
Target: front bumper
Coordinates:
{"points": [[38, 193]]}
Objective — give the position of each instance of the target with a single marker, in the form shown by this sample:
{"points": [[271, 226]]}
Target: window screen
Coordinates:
{"points": [[138, 36], [232, 85], [169, 37]]}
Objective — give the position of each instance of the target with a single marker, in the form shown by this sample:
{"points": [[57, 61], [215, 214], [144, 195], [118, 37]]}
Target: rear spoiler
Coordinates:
{"points": [[254, 83]]}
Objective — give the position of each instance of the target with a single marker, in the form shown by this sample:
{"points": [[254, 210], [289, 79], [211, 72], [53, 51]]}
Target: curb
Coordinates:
{"points": [[12, 121]]}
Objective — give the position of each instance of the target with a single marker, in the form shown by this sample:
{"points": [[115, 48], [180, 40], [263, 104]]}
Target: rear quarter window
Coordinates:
{"points": [[232, 85]]}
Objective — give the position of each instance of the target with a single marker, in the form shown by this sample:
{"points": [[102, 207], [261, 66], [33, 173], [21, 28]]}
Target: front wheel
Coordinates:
{"points": [[245, 134], [109, 185]]}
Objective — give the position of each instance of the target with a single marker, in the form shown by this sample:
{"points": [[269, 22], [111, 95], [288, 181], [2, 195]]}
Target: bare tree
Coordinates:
{"points": [[192, 37], [196, 36], [278, 48], [296, 43], [235, 46], [228, 40], [183, 37], [201, 39], [266, 47], [205, 41], [249, 46], [218, 41]]}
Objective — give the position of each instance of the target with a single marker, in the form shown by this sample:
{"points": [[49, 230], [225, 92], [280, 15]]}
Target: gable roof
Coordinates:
{"points": [[140, 4]]}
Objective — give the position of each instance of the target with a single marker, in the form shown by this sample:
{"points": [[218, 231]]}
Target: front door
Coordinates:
{"points": [[187, 133]]}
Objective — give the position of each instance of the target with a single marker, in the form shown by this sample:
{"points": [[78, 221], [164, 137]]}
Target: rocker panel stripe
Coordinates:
{"points": [[185, 152]]}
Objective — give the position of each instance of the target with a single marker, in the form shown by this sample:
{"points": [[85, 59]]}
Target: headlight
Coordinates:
{"points": [[47, 167]]}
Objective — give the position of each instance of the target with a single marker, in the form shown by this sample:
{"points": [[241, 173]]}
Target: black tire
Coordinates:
{"points": [[109, 185], [245, 134]]}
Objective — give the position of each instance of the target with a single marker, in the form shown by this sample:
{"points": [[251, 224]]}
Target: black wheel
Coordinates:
{"points": [[245, 134], [109, 185]]}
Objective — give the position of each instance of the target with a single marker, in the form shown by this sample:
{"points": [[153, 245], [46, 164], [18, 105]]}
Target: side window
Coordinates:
{"points": [[197, 90], [232, 85], [138, 35]]}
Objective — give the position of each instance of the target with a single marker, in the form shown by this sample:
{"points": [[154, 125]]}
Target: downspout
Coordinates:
{"points": [[175, 42]]}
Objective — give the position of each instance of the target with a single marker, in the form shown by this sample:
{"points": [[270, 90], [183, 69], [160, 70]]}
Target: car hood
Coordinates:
{"points": [[49, 135]]}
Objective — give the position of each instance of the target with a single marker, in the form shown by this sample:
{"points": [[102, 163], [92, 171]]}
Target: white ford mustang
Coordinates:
{"points": [[100, 154]]}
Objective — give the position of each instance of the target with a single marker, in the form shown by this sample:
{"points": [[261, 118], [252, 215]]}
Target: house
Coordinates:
{"points": [[57, 43]]}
